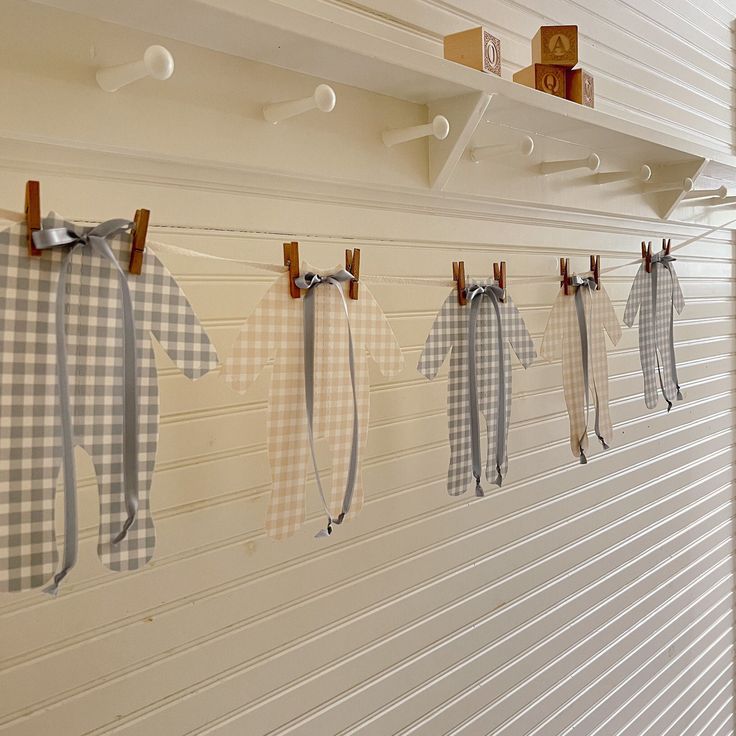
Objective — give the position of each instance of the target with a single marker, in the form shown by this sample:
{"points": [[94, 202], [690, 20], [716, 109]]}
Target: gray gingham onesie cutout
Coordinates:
{"points": [[449, 333], [562, 337], [656, 338], [30, 434]]}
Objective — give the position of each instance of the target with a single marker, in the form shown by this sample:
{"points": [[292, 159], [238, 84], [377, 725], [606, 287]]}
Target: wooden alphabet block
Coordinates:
{"points": [[581, 87], [545, 78], [476, 48], [556, 45]]}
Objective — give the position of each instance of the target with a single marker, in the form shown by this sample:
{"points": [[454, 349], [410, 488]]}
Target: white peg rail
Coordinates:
{"points": [[410, 74], [591, 162], [439, 128], [524, 148], [323, 99], [157, 63]]}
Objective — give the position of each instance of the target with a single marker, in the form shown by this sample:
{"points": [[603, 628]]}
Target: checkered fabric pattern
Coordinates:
{"points": [[562, 338], [655, 340], [30, 435], [274, 332], [450, 333]]}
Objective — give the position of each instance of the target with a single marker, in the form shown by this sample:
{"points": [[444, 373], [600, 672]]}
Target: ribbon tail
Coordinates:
{"points": [[324, 532], [71, 542], [310, 281], [52, 589], [478, 488], [679, 394], [128, 523], [130, 373], [603, 442], [669, 405], [583, 459], [499, 479]]}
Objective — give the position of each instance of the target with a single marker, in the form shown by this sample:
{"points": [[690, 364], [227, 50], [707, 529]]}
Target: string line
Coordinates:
{"points": [[418, 280], [378, 278]]}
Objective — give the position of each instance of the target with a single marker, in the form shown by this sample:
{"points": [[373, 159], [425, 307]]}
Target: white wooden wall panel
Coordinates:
{"points": [[575, 601]]}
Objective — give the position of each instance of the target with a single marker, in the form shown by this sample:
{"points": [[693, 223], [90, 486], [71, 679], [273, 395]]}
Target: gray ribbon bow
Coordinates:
{"points": [[663, 259], [309, 282], [586, 283], [97, 240], [475, 294]]}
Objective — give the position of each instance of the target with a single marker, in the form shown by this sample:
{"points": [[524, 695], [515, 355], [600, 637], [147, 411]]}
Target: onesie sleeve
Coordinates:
{"points": [[440, 339], [551, 347], [518, 335], [678, 300], [609, 318], [172, 320], [634, 301], [259, 338], [380, 340]]}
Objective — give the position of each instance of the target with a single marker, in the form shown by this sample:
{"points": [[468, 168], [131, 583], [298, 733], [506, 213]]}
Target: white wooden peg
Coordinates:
{"points": [[717, 193], [591, 162], [683, 185], [525, 147], [713, 201], [439, 128], [323, 99], [157, 63], [642, 175]]}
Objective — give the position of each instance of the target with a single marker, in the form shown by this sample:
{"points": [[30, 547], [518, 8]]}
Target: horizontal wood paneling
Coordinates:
{"points": [[574, 601]]}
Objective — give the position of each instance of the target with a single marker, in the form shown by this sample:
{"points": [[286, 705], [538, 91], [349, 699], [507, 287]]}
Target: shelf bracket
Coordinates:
{"points": [[666, 202], [464, 113]]}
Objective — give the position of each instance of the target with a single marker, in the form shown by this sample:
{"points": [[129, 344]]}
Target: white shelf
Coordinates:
{"points": [[288, 37]]}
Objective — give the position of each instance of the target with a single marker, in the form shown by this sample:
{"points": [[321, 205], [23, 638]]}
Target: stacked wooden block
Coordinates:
{"points": [[554, 56], [477, 48]]}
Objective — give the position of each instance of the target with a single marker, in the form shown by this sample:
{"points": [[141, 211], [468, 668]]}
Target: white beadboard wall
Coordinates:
{"points": [[575, 601]]}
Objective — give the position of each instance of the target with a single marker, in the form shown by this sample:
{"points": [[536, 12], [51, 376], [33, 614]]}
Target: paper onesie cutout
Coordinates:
{"points": [[656, 326], [562, 337], [274, 332], [30, 436], [449, 334]]}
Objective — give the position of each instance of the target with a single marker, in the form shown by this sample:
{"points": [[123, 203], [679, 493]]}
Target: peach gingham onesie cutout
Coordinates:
{"points": [[274, 332]]}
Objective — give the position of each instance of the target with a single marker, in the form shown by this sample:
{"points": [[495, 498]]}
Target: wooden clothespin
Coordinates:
{"points": [[499, 276], [352, 264], [458, 276], [138, 241], [595, 267], [291, 260], [646, 254], [565, 275], [33, 214], [666, 245]]}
